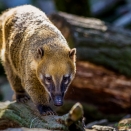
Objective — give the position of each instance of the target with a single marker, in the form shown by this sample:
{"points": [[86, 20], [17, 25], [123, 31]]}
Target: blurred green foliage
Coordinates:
{"points": [[77, 7]]}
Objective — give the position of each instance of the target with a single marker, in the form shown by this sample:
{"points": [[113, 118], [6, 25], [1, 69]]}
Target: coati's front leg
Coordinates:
{"points": [[15, 82], [20, 94], [39, 95]]}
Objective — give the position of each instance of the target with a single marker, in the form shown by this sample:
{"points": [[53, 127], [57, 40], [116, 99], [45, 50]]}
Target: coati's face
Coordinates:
{"points": [[56, 72]]}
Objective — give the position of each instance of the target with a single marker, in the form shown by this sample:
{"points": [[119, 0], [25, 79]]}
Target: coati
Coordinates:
{"points": [[36, 57]]}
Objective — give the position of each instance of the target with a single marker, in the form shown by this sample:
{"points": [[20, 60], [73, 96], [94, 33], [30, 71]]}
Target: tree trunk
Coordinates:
{"points": [[97, 41], [14, 114]]}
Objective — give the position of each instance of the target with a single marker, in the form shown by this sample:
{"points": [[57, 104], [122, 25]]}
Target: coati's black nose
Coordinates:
{"points": [[58, 100]]}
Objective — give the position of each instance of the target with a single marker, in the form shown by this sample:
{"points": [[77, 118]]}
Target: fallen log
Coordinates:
{"points": [[13, 114], [97, 41], [108, 91]]}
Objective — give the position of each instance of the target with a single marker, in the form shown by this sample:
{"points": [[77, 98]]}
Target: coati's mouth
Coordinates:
{"points": [[58, 100]]}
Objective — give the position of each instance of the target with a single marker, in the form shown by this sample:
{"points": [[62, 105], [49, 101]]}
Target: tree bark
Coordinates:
{"points": [[97, 41], [13, 114]]}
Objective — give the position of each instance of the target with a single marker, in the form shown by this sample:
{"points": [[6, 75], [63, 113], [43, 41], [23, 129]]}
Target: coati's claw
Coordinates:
{"points": [[45, 110], [22, 97]]}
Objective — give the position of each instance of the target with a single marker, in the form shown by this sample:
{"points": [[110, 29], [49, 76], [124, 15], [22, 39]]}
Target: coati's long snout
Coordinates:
{"points": [[58, 100]]}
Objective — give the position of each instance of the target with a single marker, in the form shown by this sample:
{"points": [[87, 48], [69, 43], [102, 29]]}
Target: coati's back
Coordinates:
{"points": [[36, 54], [22, 24]]}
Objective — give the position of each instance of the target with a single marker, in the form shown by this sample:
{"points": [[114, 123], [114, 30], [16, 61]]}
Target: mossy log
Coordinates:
{"points": [[13, 114], [97, 41]]}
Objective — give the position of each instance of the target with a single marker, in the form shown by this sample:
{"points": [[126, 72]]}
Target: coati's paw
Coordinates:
{"points": [[45, 110], [22, 97]]}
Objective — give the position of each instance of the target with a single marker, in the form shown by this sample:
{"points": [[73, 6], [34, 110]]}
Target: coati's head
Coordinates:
{"points": [[56, 70]]}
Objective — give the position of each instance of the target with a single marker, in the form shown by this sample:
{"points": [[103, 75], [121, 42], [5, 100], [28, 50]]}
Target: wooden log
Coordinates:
{"points": [[14, 114], [97, 41], [18, 115], [108, 91]]}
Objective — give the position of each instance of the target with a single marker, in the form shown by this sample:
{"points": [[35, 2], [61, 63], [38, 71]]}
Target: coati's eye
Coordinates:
{"points": [[48, 79], [65, 79]]}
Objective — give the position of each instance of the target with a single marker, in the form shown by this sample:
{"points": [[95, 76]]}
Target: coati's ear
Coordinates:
{"points": [[72, 53], [40, 52]]}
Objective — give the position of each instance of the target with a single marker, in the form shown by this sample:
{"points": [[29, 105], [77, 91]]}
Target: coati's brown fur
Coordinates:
{"points": [[36, 57]]}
